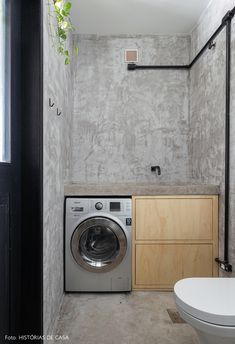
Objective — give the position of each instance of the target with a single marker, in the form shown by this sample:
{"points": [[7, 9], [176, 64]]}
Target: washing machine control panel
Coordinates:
{"points": [[77, 207]]}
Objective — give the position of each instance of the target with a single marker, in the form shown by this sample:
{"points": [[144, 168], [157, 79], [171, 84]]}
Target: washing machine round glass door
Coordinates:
{"points": [[98, 244]]}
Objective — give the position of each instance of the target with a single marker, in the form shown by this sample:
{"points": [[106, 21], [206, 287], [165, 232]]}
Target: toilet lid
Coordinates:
{"points": [[208, 299]]}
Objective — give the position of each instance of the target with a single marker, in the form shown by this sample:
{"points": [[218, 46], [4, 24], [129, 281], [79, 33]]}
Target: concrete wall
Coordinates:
{"points": [[124, 122], [207, 111], [56, 160]]}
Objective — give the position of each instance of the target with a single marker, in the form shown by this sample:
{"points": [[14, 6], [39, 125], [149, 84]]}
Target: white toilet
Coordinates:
{"points": [[208, 305]]}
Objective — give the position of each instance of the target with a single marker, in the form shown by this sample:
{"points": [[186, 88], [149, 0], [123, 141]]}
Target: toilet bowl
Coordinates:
{"points": [[208, 305]]}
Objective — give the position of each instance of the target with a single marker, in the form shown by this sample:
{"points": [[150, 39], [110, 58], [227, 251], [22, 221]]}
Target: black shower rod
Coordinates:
{"points": [[228, 17]]}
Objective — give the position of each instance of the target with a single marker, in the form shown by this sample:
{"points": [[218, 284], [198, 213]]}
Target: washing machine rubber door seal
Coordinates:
{"points": [[98, 244]]}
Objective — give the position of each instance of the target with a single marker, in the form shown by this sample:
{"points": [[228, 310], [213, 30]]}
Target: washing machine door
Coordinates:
{"points": [[98, 244]]}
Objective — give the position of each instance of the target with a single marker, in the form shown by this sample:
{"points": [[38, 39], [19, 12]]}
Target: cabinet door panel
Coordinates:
{"points": [[174, 219], [164, 264]]}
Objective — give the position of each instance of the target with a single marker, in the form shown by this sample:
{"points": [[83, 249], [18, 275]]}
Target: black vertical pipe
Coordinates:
{"points": [[227, 139], [224, 264]]}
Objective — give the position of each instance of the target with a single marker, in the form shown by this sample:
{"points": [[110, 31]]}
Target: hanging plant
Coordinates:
{"points": [[61, 14]]}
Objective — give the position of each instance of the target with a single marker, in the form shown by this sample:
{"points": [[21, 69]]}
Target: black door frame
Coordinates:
{"points": [[21, 180], [32, 167]]}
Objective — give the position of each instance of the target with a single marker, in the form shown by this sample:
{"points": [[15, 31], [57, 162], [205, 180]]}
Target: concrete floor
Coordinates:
{"points": [[129, 318]]}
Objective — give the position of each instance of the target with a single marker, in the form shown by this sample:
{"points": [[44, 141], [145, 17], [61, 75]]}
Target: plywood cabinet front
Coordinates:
{"points": [[174, 237], [163, 264], [174, 219]]}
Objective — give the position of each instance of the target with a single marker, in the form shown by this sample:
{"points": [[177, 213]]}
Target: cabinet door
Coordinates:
{"points": [[161, 265], [174, 218]]}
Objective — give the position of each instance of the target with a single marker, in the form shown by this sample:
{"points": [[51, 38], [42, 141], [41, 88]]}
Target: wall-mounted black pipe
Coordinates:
{"points": [[133, 66], [229, 15], [224, 264], [227, 137], [207, 45], [226, 22]]}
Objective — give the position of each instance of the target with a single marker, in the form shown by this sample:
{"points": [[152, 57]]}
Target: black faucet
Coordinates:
{"points": [[156, 169]]}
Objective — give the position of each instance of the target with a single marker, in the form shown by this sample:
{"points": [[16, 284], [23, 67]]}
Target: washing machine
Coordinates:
{"points": [[97, 244]]}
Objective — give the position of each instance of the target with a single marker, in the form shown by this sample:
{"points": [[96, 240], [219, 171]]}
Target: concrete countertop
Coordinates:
{"points": [[136, 189]]}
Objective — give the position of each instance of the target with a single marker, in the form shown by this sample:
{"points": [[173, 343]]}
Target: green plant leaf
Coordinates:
{"points": [[67, 6], [76, 50], [65, 14], [62, 33], [61, 50], [67, 61], [59, 18]]}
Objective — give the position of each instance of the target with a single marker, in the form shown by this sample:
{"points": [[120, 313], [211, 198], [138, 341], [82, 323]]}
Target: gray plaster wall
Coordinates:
{"points": [[207, 112], [124, 122], [56, 161]]}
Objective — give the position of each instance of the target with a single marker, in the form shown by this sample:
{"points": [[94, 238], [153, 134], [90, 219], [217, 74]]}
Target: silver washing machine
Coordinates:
{"points": [[97, 244]]}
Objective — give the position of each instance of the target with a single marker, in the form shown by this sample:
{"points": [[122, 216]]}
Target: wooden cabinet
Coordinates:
{"points": [[174, 237]]}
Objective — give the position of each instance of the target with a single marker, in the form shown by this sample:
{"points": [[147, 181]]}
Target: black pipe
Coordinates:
{"points": [[133, 66], [224, 264], [206, 46], [228, 16], [227, 137]]}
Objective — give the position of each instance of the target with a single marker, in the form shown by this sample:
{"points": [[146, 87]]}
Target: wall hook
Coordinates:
{"points": [[212, 45], [58, 112], [50, 103]]}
